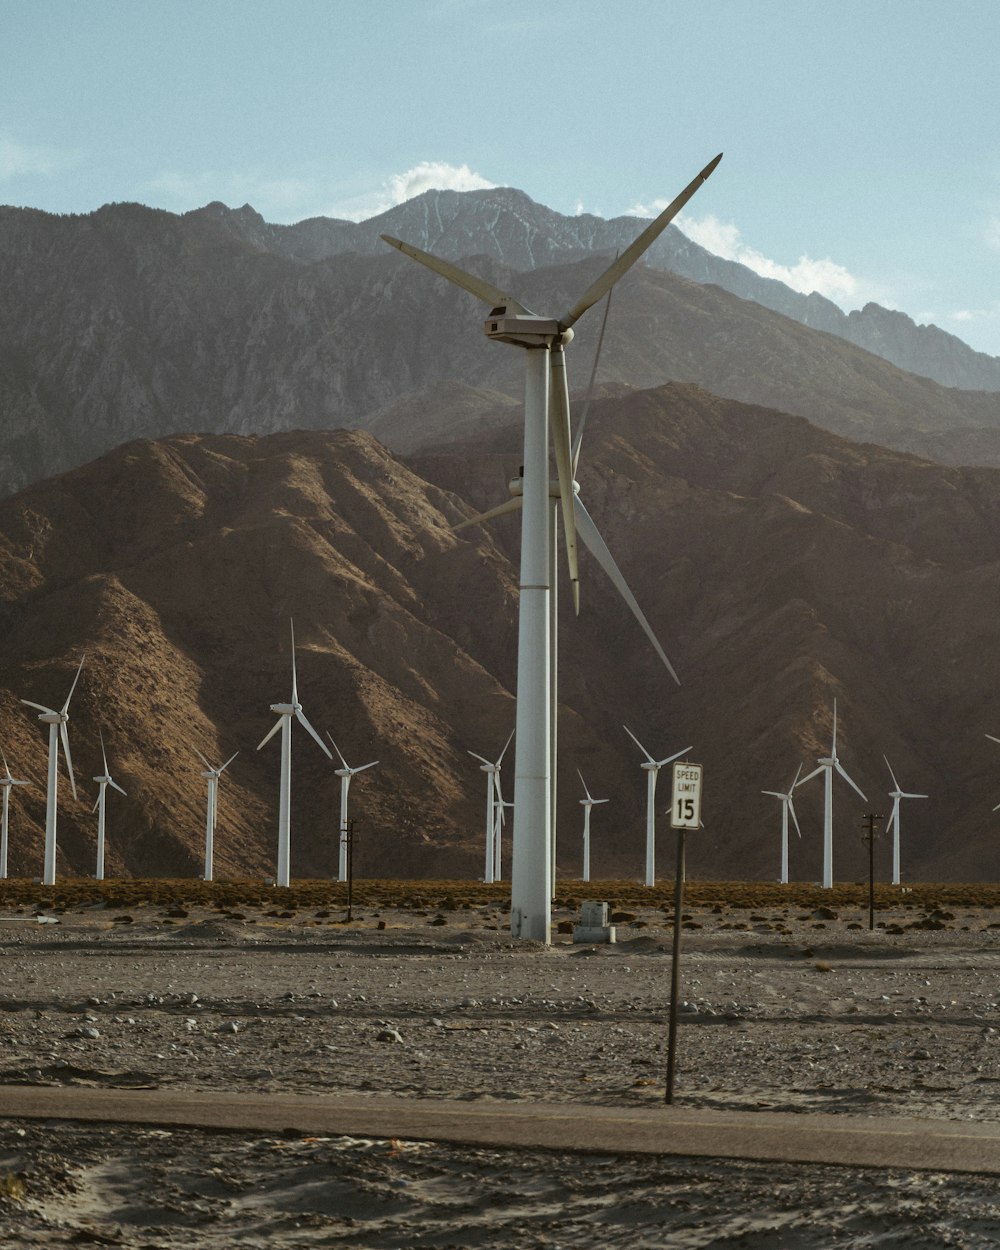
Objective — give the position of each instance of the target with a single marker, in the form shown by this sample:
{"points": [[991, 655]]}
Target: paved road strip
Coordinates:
{"points": [[936, 1145]]}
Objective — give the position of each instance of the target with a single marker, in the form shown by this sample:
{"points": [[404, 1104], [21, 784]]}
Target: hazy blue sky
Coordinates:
{"points": [[862, 140]]}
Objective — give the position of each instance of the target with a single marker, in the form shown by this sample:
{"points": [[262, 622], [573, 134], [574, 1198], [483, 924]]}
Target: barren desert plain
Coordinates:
{"points": [[789, 1004]]}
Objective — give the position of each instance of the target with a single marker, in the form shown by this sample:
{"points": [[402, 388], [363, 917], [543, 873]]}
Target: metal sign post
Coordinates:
{"points": [[871, 820], [685, 813]]}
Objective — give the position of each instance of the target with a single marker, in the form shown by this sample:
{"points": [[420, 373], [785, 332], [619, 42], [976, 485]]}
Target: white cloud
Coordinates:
{"points": [[400, 187], [20, 159], [808, 274]]}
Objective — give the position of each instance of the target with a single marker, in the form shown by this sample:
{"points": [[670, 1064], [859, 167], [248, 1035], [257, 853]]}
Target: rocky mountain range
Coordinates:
{"points": [[134, 323], [782, 566]]}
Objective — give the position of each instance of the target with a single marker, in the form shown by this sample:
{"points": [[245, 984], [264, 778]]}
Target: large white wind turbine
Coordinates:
{"points": [[787, 806], [212, 775], [286, 711], [6, 781], [587, 804], [103, 781], [493, 794], [651, 768], [56, 722], [893, 824], [827, 765], [345, 773], [544, 340]]}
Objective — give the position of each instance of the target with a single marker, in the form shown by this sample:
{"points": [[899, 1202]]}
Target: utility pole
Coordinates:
{"points": [[871, 820]]}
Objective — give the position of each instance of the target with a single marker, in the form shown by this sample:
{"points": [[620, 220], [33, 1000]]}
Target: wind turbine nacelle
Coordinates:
{"points": [[524, 329]]}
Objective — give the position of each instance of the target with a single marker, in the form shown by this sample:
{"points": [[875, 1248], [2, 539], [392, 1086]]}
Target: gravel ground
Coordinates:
{"points": [[792, 1010]]}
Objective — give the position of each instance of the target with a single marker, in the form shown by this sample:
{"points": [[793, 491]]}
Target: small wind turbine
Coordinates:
{"points": [[286, 711], [587, 804], [56, 722], [346, 773], [212, 775], [827, 765], [544, 340], [896, 795], [652, 768], [6, 781], [787, 806], [493, 794], [103, 781]]}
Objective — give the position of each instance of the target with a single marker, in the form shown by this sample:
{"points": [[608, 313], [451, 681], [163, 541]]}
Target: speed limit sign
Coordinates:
{"points": [[686, 810]]}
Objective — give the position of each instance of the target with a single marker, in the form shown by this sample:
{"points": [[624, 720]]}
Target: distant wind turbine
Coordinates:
{"points": [[651, 769], [6, 781], [286, 712], [103, 781], [828, 765], [212, 776], [546, 405], [787, 807], [56, 722], [896, 795], [346, 774], [493, 794], [587, 804]]}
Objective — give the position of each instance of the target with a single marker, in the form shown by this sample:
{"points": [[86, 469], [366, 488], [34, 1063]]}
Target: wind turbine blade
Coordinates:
{"points": [[595, 801], [345, 764], [205, 761], [638, 744], [578, 439], [584, 784], [478, 287], [69, 759], [295, 685], [65, 706], [795, 781], [990, 736], [670, 758], [891, 773], [510, 738], [300, 716], [115, 786], [265, 740], [41, 707], [97, 803], [104, 754], [599, 549], [843, 772], [892, 818], [511, 505], [815, 773], [913, 796], [791, 808], [364, 766], [228, 762], [776, 793], [6, 766], [476, 756], [559, 421], [833, 749], [624, 263]]}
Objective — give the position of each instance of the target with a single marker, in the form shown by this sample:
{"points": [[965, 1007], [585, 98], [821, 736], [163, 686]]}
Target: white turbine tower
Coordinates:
{"points": [[6, 781], [587, 803], [651, 768], [103, 781], [286, 712], [787, 806], [56, 722], [493, 795], [212, 775], [893, 824], [828, 765], [544, 340], [345, 773]]}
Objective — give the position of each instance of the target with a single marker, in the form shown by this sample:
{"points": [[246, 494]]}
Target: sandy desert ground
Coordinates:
{"points": [[789, 1007]]}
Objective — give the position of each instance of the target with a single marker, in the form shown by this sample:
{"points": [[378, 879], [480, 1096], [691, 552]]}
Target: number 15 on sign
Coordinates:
{"points": [[686, 810]]}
